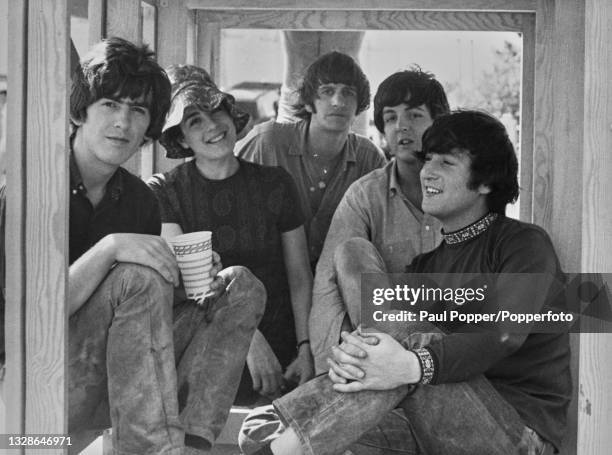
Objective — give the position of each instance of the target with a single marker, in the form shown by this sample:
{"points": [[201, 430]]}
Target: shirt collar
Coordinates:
{"points": [[115, 184], [348, 153], [394, 186], [471, 231]]}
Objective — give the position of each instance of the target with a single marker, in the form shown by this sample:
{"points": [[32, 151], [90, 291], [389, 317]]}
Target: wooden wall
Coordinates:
{"points": [[37, 216], [595, 382]]}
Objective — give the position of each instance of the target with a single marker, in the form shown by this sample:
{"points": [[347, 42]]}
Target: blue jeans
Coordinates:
{"points": [[391, 435], [164, 370], [459, 418]]}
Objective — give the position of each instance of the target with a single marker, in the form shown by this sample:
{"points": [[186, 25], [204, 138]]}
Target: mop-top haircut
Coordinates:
{"points": [[117, 69], [419, 86], [484, 138], [332, 68]]}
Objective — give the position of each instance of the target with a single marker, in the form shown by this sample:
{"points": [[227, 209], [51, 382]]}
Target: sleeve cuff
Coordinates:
{"points": [[428, 365]]}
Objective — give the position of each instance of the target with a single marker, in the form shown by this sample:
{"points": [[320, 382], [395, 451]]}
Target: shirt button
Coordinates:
{"points": [[427, 228], [312, 188], [74, 191]]}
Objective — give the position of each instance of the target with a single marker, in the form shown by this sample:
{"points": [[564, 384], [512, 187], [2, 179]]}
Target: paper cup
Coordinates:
{"points": [[193, 254]]}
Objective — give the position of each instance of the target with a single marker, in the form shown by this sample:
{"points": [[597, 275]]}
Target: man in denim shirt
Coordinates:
{"points": [[384, 206]]}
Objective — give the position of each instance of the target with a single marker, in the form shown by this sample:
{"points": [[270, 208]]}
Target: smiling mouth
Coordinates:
{"points": [[218, 138], [431, 191], [405, 142]]}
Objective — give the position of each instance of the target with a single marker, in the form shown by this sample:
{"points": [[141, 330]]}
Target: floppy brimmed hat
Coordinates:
{"points": [[193, 86]]}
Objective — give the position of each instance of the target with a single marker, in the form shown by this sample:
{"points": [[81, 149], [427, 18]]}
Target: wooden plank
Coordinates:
{"points": [[46, 228], [527, 118], [96, 14], [124, 19], [208, 45], [14, 387], [171, 48], [595, 382], [398, 5], [191, 38], [365, 20], [149, 34], [566, 195], [544, 115], [565, 166]]}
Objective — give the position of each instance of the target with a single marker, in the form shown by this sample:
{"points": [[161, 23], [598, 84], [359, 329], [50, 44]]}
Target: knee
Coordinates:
{"points": [[243, 286], [352, 252], [135, 279]]}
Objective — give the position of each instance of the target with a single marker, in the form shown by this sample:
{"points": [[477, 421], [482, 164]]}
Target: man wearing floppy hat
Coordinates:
{"points": [[139, 359], [254, 214]]}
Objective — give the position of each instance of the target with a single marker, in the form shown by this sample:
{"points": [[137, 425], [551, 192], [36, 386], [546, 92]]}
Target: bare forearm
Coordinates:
{"points": [[87, 272], [301, 296]]}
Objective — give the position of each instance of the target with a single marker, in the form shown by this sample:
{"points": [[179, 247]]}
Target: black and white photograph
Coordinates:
{"points": [[324, 227]]}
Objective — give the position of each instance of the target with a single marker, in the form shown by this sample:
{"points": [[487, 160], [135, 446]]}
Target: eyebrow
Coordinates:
{"points": [[333, 84], [193, 113], [130, 102]]}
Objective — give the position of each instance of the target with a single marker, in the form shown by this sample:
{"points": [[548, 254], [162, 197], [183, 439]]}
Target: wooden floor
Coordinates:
{"points": [[226, 442]]}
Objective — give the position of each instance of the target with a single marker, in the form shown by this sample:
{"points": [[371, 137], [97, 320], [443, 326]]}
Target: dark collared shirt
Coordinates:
{"points": [[127, 206]]}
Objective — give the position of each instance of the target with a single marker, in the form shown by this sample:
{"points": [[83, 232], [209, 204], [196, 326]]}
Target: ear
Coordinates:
{"points": [[76, 121], [309, 108], [484, 189]]}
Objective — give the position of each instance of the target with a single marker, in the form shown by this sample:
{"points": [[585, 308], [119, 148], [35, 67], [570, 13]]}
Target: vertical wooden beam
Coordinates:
{"points": [[527, 117], [149, 35], [208, 47], [172, 15], [567, 184], [557, 167], [544, 115], [124, 19], [17, 71], [595, 382], [96, 15], [46, 215], [191, 43]]}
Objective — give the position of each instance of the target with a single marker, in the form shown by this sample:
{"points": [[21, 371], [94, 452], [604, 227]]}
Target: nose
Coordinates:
{"points": [[403, 123], [338, 99], [428, 172], [122, 117], [210, 121]]}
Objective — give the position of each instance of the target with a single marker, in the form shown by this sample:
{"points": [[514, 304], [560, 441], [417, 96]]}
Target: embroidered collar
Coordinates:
{"points": [[471, 231]]}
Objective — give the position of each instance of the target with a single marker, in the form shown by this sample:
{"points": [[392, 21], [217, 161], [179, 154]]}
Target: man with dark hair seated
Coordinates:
{"points": [[162, 370], [320, 152], [384, 206], [477, 390]]}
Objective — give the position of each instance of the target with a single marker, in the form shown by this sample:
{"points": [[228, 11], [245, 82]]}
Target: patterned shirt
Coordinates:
{"points": [[247, 213]]}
